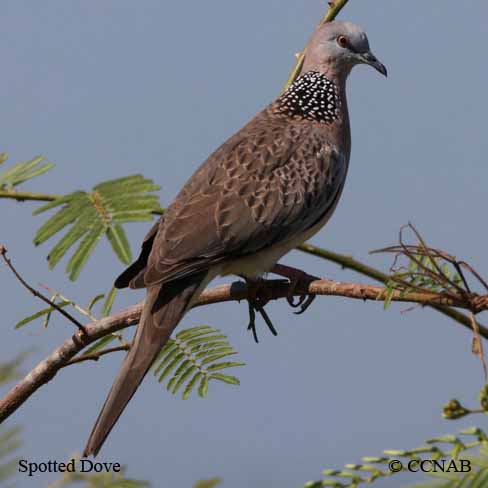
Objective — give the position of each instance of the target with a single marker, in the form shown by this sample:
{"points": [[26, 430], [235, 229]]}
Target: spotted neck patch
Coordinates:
{"points": [[312, 97]]}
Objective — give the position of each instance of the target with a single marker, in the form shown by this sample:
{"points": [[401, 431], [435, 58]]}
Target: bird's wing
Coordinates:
{"points": [[125, 279], [268, 183]]}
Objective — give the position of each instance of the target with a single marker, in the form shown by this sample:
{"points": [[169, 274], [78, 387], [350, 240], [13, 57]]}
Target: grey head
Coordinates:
{"points": [[336, 47]]}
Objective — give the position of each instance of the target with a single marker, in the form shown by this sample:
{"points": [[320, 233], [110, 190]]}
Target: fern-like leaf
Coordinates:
{"points": [[94, 214], [9, 436], [475, 479], [190, 359], [9, 442], [453, 450], [62, 302], [20, 172], [45, 312], [211, 483]]}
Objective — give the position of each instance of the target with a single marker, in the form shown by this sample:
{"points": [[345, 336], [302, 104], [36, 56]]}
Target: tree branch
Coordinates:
{"points": [[21, 196], [335, 6], [47, 369], [8, 262], [97, 355], [348, 262], [274, 289], [65, 354]]}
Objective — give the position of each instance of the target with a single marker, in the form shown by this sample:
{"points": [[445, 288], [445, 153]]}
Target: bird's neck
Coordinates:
{"points": [[318, 99], [315, 97]]}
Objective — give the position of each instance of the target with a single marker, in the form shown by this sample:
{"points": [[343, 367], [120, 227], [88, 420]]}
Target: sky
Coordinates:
{"points": [[110, 88]]}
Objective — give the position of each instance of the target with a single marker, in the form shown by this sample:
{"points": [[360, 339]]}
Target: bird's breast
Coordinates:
{"points": [[261, 262]]}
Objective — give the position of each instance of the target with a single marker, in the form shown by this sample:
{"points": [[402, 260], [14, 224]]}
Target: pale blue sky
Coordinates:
{"points": [[108, 88]]}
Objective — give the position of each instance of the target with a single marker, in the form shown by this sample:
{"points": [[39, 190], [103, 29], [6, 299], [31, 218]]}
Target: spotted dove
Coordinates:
{"points": [[268, 188]]}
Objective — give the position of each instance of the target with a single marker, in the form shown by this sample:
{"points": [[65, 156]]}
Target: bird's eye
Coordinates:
{"points": [[342, 41]]}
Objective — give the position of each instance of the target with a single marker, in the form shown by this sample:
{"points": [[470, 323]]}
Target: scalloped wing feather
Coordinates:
{"points": [[267, 184]]}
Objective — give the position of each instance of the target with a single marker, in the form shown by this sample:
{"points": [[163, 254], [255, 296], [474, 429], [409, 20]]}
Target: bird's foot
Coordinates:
{"points": [[257, 299], [298, 279]]}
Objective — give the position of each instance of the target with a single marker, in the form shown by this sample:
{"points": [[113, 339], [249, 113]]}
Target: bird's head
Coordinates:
{"points": [[336, 47]]}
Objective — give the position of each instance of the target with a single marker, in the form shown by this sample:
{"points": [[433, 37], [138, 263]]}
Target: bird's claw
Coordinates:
{"points": [[256, 302], [304, 300]]}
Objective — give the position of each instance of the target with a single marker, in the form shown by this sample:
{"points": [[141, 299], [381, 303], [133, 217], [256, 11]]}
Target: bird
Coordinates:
{"points": [[268, 188]]}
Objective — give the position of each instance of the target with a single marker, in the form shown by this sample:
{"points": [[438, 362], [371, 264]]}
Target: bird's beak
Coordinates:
{"points": [[369, 58]]}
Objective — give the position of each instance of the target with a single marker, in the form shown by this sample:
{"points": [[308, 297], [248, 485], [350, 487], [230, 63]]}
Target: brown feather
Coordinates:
{"points": [[264, 190], [164, 308]]}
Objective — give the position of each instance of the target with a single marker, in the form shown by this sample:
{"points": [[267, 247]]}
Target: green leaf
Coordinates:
{"points": [[77, 231], [109, 302], [388, 297], [191, 358], [477, 477], [201, 350], [215, 357], [445, 270], [203, 388], [21, 172], [94, 301], [119, 242], [211, 483], [40, 313], [228, 364], [125, 217], [81, 255], [60, 200], [191, 384], [412, 266], [9, 442], [171, 366], [9, 436], [231, 380], [433, 484], [101, 343], [202, 340], [183, 367], [64, 217], [187, 334], [182, 378], [213, 351], [87, 216], [165, 356], [9, 370]]}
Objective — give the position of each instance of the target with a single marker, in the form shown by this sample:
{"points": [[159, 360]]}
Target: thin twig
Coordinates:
{"points": [[344, 261], [335, 6], [22, 196], [97, 355], [275, 289], [451, 287], [477, 346], [474, 273], [84, 312], [438, 276], [46, 369], [348, 262], [8, 262], [459, 269]]}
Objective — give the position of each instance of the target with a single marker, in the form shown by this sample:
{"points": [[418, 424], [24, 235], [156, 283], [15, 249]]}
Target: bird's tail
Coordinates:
{"points": [[164, 307]]}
